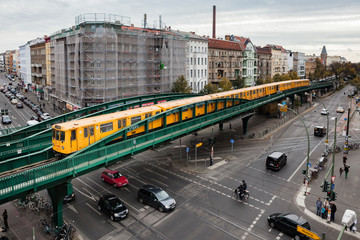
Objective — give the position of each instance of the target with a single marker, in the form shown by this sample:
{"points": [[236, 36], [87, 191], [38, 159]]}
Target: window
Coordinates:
{"points": [[202, 61], [124, 123], [57, 135], [202, 73], [198, 61], [147, 115], [205, 61], [91, 130], [119, 124], [190, 61], [85, 132], [191, 73], [73, 135], [135, 119], [198, 73], [106, 127]]}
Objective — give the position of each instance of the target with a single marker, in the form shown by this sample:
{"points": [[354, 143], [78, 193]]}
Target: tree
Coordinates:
{"points": [[225, 85], [341, 71], [356, 83], [181, 86], [268, 79], [259, 81], [285, 77], [239, 82], [293, 75], [276, 78], [320, 69], [209, 89]]}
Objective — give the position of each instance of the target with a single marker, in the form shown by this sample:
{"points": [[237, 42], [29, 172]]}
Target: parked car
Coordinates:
{"points": [[114, 178], [35, 118], [19, 105], [113, 206], [156, 197], [324, 111], [32, 122], [6, 119], [45, 116], [14, 101], [340, 110], [287, 223]]}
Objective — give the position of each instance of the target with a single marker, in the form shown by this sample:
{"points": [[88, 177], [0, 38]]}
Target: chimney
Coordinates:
{"points": [[214, 21]]}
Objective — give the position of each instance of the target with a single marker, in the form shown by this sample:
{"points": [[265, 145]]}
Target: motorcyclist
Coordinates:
{"points": [[244, 185]]}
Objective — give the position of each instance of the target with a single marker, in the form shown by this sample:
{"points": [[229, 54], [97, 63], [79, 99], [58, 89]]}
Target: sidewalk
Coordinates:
{"points": [[347, 196]]}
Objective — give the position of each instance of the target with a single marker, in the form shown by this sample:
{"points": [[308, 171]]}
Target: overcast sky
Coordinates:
{"points": [[301, 25]]}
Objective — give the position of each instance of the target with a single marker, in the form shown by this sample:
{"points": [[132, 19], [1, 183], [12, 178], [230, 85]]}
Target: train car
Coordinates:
{"points": [[72, 136], [69, 137]]}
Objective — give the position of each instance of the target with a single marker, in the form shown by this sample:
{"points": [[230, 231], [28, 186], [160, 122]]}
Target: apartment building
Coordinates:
{"points": [[196, 60], [9, 61], [225, 60], [2, 62], [249, 56], [38, 67], [102, 58], [264, 63], [299, 64]]}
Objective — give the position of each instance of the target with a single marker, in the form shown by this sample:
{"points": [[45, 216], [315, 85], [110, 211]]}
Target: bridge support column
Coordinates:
{"points": [[245, 123], [57, 194], [221, 125]]}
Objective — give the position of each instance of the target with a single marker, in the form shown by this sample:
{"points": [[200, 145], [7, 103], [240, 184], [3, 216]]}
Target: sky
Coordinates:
{"points": [[300, 26]]}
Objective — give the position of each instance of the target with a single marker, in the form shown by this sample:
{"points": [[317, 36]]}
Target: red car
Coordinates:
{"points": [[114, 178]]}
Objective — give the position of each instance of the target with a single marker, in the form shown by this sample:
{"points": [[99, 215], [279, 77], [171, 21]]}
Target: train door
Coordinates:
{"points": [[73, 141], [89, 136]]}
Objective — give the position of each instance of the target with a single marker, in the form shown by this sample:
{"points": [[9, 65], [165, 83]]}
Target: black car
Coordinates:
{"points": [[19, 105], [156, 197], [113, 206], [6, 119], [287, 223]]}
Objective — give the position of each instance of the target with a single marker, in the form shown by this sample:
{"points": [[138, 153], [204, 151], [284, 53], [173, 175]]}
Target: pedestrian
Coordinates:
{"points": [[346, 170], [5, 218], [44, 105], [344, 160], [333, 211], [341, 171], [325, 209], [318, 207]]}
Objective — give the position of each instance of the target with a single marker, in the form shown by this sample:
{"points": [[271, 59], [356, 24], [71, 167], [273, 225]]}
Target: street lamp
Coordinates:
{"points": [[308, 138]]}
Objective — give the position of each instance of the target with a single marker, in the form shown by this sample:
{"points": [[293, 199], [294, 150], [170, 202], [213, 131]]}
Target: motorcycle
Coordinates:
{"points": [[244, 197]]}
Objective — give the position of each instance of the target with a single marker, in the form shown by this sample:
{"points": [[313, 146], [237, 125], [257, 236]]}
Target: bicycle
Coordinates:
{"points": [[337, 149], [65, 232]]}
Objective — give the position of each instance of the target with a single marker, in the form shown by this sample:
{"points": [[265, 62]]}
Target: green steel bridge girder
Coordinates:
{"points": [[51, 174], [117, 104], [42, 139]]}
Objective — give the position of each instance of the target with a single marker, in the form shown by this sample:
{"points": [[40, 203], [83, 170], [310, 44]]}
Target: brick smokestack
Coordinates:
{"points": [[214, 21]]}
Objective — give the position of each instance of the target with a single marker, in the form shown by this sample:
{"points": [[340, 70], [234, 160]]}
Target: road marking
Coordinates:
{"points": [[95, 210], [156, 173]]}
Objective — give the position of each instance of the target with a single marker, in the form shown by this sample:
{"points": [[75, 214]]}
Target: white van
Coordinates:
{"points": [[32, 122]]}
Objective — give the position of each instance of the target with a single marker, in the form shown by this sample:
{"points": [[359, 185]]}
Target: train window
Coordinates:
{"points": [[237, 95], [248, 93], [53, 133], [85, 132], [119, 124], [147, 115], [254, 92], [106, 127], [124, 123], [157, 112], [135, 119], [73, 135], [200, 106], [57, 135], [91, 130], [62, 136]]}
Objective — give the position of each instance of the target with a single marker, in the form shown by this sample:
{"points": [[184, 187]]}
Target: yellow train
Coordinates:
{"points": [[74, 135]]}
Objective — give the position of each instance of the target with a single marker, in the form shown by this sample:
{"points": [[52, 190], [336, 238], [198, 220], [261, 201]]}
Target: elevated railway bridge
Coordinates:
{"points": [[28, 164]]}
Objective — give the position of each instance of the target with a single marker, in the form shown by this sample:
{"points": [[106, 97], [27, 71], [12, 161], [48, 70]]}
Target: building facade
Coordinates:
{"points": [[290, 60], [250, 61], [38, 67], [25, 65], [196, 60], [264, 63], [310, 66], [299, 64], [2, 62], [9, 61], [225, 60], [100, 60]]}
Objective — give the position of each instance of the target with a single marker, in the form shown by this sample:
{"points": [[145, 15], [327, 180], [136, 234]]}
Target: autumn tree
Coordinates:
{"points": [[268, 79], [209, 89], [225, 85], [293, 75], [276, 78], [239, 82], [356, 83], [259, 81], [181, 86]]}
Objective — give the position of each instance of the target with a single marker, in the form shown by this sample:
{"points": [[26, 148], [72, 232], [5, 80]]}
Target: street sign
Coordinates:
{"points": [[332, 186], [309, 164], [231, 140], [333, 179], [187, 149], [308, 233], [345, 119], [199, 145]]}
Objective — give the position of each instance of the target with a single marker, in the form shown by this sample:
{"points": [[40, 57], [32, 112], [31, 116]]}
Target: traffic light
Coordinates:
{"points": [[303, 171], [328, 194], [333, 197], [325, 186]]}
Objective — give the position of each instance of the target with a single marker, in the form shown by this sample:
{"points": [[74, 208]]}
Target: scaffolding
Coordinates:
{"points": [[101, 59]]}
